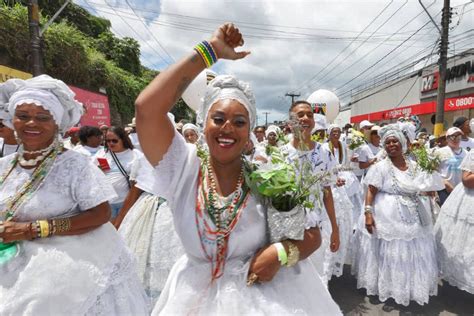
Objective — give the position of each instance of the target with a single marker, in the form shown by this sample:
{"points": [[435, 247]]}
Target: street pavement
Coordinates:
{"points": [[352, 301]]}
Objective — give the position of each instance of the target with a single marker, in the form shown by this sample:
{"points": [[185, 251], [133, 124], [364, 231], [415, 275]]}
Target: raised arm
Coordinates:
{"points": [[154, 129]]}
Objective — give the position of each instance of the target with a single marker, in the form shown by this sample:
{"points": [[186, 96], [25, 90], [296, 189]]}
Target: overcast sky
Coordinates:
{"points": [[297, 46]]}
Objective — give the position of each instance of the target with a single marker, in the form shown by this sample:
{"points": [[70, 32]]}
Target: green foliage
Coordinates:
{"points": [[80, 50], [427, 161], [14, 37], [124, 52]]}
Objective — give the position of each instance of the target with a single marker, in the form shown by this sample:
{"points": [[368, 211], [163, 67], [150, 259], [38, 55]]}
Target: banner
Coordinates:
{"points": [[9, 73], [97, 111]]}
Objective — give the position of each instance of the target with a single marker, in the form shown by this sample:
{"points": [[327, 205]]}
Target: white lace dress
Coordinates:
{"points": [[189, 291], [399, 259], [149, 233], [92, 273], [454, 232]]}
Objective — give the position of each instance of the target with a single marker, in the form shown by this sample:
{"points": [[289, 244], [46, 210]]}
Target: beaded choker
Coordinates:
{"points": [[42, 154], [215, 223]]}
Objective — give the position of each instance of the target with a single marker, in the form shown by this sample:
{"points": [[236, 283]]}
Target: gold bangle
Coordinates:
{"points": [[44, 228], [293, 254], [62, 225]]}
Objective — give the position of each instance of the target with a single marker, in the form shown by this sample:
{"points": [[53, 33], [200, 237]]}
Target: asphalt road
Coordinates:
{"points": [[449, 301]]}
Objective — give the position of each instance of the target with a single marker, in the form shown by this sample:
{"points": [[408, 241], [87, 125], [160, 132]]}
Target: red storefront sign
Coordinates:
{"points": [[451, 104], [97, 111]]}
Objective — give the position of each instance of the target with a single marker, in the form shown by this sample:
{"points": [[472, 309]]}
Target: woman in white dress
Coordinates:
{"points": [[346, 190], [146, 224], [58, 253], [116, 161], [228, 267], [394, 251], [454, 231]]}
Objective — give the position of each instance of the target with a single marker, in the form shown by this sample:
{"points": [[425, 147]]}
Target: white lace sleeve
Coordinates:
{"points": [[374, 176], [175, 165], [467, 163], [90, 187], [313, 218]]}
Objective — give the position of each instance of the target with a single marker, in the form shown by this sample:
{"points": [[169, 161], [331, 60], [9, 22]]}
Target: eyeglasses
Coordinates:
{"points": [[41, 118], [113, 141]]}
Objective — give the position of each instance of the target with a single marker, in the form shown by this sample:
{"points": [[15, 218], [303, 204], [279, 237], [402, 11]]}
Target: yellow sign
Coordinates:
{"points": [[9, 73]]}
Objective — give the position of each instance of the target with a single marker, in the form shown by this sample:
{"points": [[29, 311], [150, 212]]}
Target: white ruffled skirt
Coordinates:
{"points": [[293, 291], [398, 260], [86, 274], [454, 232], [149, 233]]}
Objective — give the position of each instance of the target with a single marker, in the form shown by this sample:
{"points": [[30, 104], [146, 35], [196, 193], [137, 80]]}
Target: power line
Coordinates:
{"points": [[151, 33]]}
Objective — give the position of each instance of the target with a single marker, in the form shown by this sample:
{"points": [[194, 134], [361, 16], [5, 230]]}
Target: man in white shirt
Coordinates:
{"points": [[462, 123]]}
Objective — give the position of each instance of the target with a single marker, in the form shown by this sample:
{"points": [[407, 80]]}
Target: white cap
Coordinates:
{"points": [[375, 128], [365, 123], [453, 130]]}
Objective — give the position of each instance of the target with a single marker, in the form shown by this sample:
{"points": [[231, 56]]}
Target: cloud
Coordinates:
{"points": [[288, 39]]}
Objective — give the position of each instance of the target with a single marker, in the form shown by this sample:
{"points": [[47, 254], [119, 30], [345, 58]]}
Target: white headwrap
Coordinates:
{"points": [[272, 128], [393, 130], [409, 130], [190, 126], [253, 139], [228, 87], [51, 94], [331, 127]]}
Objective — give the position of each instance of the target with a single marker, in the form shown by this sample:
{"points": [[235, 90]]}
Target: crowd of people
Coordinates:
{"points": [[161, 217]]}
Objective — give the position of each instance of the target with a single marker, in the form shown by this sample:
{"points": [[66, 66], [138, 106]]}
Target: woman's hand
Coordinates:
{"points": [[224, 41], [15, 231], [335, 242], [369, 223], [265, 264]]}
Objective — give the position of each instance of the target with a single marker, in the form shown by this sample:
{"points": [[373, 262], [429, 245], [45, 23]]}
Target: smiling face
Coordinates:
{"points": [[35, 126], [393, 147], [335, 134], [303, 113], [227, 130]]}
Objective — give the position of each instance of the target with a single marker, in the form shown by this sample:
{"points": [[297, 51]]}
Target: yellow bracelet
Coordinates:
{"points": [[44, 228]]}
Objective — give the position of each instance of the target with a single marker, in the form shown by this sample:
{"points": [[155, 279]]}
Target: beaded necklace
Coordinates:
{"points": [[33, 184], [331, 147], [214, 241], [411, 201]]}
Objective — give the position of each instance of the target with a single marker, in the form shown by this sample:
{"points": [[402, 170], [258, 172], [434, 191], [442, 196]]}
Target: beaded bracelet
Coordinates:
{"points": [[282, 255], [207, 53]]}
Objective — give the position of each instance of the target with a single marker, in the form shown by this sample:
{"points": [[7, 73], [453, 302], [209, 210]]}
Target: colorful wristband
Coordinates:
{"points": [[207, 53], [282, 256]]}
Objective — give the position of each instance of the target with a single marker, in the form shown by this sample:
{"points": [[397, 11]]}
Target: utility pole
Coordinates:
{"points": [[35, 41], [292, 95], [443, 52], [266, 118]]}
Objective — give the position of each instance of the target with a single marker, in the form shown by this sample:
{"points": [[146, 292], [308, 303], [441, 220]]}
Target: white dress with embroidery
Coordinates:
{"points": [[87, 274], [189, 291], [399, 259], [149, 233], [454, 232]]}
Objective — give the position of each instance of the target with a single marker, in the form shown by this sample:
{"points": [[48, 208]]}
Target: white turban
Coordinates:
{"points": [[409, 130], [51, 94], [393, 130], [331, 127], [253, 139], [272, 128], [190, 126], [228, 87]]}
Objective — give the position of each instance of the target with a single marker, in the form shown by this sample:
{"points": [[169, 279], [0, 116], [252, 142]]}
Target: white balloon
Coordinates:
{"points": [[194, 94], [328, 100]]}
